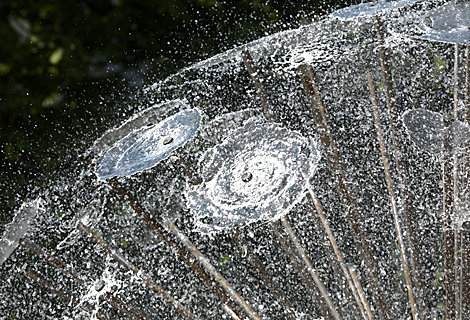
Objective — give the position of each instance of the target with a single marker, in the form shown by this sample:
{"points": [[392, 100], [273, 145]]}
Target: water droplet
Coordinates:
{"points": [[247, 176], [100, 285], [207, 220], [466, 225], [167, 140]]}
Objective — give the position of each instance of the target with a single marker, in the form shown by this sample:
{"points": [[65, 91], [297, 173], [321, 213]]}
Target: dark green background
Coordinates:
{"points": [[74, 65]]}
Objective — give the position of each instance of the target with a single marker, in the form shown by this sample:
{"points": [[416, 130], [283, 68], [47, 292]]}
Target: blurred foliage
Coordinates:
{"points": [[67, 66]]}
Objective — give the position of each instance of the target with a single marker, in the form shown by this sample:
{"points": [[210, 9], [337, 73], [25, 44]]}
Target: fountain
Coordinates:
{"points": [[298, 176]]}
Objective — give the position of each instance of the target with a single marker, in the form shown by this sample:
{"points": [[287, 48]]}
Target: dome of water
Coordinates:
{"points": [[131, 247]]}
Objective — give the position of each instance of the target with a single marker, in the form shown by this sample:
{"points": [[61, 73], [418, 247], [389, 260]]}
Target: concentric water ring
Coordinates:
{"points": [[257, 173]]}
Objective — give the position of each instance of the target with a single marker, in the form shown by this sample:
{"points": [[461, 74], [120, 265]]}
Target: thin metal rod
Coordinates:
{"points": [[300, 269], [136, 271], [456, 80], [465, 271], [55, 262], [254, 261], [389, 180], [385, 64], [253, 71], [310, 268], [449, 232], [194, 178], [329, 244], [458, 273], [317, 109], [349, 203], [183, 254], [352, 271], [51, 260], [317, 204], [465, 231], [449, 190], [267, 279], [230, 312], [457, 260], [64, 294], [312, 200], [399, 154], [211, 269], [467, 83]]}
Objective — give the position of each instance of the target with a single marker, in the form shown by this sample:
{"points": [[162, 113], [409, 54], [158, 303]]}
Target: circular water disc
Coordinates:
{"points": [[370, 9], [146, 117], [257, 173], [146, 146], [450, 23], [425, 128], [428, 131]]}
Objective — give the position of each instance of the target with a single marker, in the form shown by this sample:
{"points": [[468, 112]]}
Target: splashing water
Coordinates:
{"points": [[254, 171], [18, 228]]}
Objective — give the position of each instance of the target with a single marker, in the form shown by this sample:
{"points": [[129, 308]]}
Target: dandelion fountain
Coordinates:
{"points": [[294, 177]]}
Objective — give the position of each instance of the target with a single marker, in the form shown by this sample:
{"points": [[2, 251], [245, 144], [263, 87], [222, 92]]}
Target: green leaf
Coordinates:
{"points": [[4, 69], [56, 56], [440, 63], [52, 100]]}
